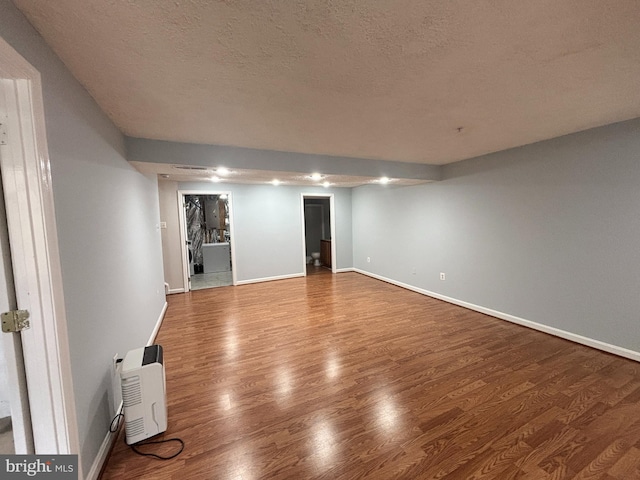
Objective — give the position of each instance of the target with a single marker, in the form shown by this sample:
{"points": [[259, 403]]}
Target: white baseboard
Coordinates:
{"points": [[158, 324], [269, 279], [175, 290], [284, 277], [101, 457], [574, 337]]}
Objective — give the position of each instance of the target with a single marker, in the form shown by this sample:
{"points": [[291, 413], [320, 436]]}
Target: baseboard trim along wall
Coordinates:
{"points": [[175, 290], [156, 329], [269, 279], [589, 342], [103, 453], [345, 270]]}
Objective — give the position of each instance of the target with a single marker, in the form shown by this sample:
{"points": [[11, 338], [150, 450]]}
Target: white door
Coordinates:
{"points": [[15, 422], [37, 274]]}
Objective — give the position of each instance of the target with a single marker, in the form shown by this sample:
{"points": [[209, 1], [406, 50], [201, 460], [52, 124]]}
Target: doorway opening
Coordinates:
{"points": [[207, 240], [319, 244]]}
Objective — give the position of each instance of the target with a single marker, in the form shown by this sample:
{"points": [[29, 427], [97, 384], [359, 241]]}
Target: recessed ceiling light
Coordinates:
{"points": [[222, 171], [214, 179], [384, 180], [275, 182], [316, 176], [326, 184]]}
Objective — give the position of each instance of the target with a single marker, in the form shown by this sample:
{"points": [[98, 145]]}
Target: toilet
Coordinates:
{"points": [[316, 258]]}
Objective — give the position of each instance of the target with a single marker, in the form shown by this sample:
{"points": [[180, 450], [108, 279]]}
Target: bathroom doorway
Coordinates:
{"points": [[318, 233], [206, 240]]}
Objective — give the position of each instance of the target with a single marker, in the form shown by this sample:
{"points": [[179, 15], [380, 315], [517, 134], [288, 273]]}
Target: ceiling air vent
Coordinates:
{"points": [[188, 167]]}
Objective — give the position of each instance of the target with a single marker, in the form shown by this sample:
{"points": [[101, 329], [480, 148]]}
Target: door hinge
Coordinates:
{"points": [[3, 133], [15, 321]]}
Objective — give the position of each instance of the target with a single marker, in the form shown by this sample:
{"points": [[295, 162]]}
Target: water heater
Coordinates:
{"points": [[143, 393]]}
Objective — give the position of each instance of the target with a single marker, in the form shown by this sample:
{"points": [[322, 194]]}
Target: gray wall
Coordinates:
{"points": [[268, 227], [548, 232], [106, 214]]}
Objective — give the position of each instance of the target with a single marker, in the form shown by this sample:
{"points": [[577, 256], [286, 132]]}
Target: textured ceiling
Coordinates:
{"points": [[407, 80]]}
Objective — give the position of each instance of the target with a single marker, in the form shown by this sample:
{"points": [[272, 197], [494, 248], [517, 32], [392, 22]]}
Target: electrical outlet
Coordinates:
{"points": [[368, 259], [116, 389], [442, 276]]}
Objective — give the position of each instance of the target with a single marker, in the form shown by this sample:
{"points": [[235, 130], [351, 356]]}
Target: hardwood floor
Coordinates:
{"points": [[343, 377]]}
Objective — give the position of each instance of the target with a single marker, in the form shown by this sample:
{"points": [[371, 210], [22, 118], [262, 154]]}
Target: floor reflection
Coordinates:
{"points": [[332, 368], [387, 414], [324, 445]]}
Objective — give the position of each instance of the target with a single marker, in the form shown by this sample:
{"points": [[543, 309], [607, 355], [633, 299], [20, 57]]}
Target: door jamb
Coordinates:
{"points": [[31, 222]]}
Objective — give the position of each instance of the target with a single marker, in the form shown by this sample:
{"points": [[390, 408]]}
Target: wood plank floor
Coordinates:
{"points": [[343, 377]]}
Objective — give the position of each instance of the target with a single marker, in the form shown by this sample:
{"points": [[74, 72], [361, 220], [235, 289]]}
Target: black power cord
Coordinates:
{"points": [[114, 428], [155, 442]]}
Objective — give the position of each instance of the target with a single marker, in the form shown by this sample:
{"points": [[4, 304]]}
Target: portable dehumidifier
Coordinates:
{"points": [[143, 393]]}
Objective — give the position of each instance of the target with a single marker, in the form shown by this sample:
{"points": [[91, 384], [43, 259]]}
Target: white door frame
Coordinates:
{"points": [[26, 176], [332, 218], [183, 233]]}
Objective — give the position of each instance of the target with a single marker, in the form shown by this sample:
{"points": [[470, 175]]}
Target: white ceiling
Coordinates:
{"points": [[408, 80]]}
